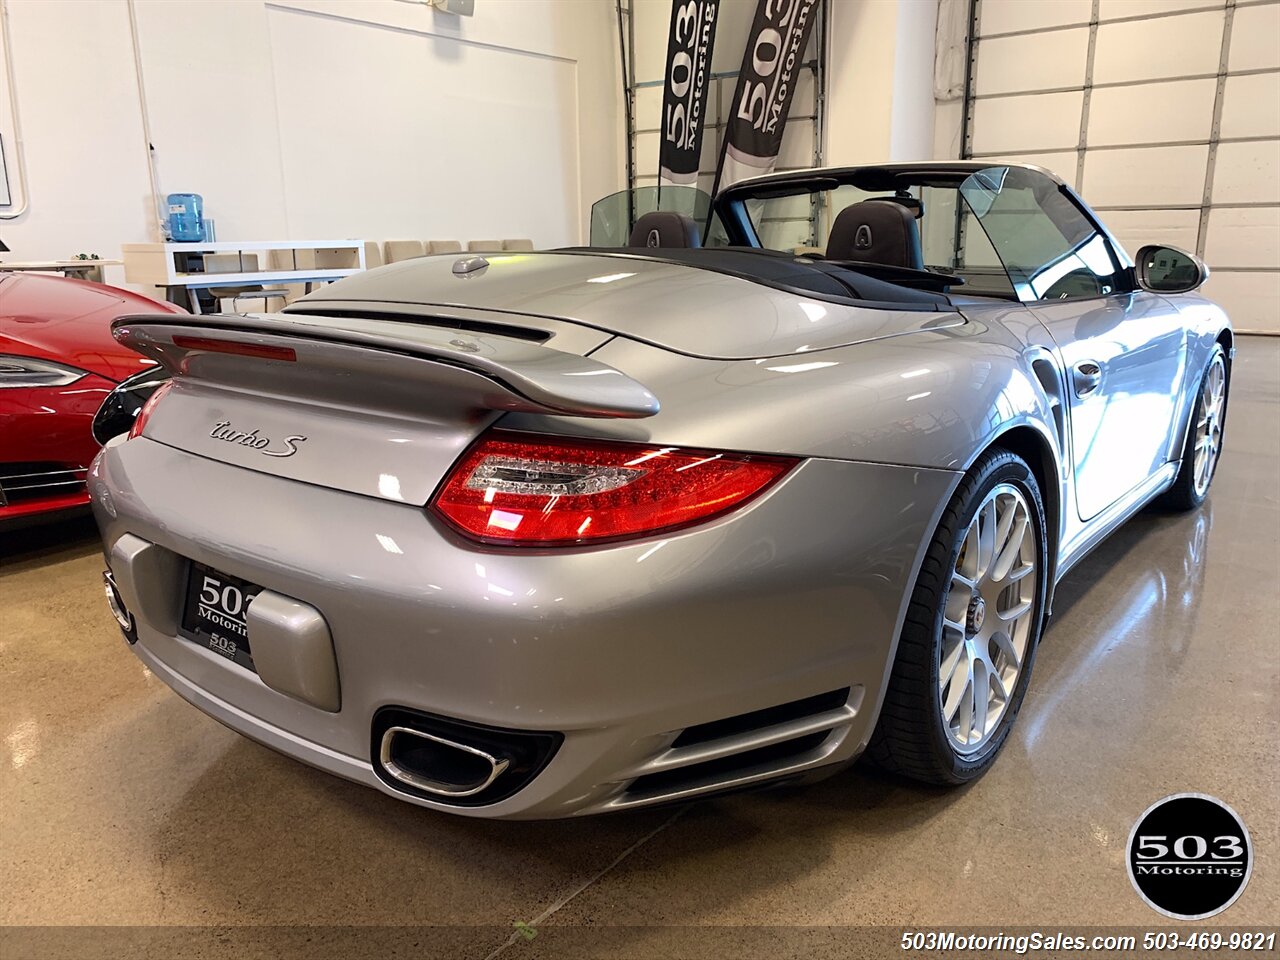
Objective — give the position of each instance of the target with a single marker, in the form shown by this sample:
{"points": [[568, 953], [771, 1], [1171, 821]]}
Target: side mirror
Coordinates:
{"points": [[1163, 269]]}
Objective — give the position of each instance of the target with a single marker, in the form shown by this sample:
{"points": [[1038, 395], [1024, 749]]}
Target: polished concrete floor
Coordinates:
{"points": [[123, 807]]}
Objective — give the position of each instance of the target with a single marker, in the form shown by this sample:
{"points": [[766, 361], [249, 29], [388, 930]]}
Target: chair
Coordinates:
{"points": [[517, 245], [240, 263], [398, 250], [484, 246], [876, 231], [662, 228], [372, 254], [443, 246]]}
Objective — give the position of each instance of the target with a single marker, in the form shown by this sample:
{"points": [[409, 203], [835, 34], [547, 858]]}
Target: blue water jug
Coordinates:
{"points": [[186, 211]]}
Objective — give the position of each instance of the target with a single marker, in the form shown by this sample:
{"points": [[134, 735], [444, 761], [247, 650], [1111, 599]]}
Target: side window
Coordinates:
{"points": [[954, 243], [1048, 247], [716, 235]]}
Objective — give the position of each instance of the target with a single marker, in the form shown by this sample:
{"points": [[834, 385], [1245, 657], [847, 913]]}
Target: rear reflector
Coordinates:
{"points": [[526, 490], [144, 414], [235, 347]]}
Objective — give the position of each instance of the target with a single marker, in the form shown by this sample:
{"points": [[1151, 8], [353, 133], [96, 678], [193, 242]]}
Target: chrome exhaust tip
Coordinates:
{"points": [[118, 610], [436, 765]]}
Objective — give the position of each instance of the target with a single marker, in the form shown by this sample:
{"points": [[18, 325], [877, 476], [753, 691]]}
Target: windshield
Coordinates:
{"points": [[951, 237], [613, 217], [1005, 231]]}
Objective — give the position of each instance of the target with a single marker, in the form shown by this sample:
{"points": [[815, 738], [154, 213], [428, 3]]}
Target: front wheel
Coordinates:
{"points": [[1203, 445], [974, 620]]}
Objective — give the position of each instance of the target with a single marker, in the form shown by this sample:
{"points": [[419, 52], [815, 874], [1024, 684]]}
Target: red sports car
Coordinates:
{"points": [[57, 363]]}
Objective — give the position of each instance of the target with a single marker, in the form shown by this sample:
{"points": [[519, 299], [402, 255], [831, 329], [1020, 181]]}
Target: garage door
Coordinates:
{"points": [[1164, 114]]}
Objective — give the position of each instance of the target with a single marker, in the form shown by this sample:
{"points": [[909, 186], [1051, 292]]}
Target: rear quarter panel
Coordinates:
{"points": [[932, 398]]}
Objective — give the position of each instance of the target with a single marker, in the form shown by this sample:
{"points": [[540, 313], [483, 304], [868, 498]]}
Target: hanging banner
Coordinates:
{"points": [[767, 83], [688, 75]]}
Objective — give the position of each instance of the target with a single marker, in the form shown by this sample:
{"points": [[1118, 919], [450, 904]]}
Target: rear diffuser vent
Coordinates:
{"points": [[725, 767], [768, 717], [744, 750]]}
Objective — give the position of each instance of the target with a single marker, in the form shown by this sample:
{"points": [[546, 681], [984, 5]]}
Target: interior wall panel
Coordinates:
{"points": [[1007, 16], [1249, 298], [1247, 172], [1251, 106], [1150, 176], [1008, 124], [1057, 161], [1254, 38], [1151, 113], [529, 106], [1125, 9], [1136, 228], [1153, 78], [1244, 237], [1176, 46], [1036, 62]]}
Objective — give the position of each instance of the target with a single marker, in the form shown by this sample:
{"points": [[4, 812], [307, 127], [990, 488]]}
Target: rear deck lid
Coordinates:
{"points": [[697, 309], [370, 406]]}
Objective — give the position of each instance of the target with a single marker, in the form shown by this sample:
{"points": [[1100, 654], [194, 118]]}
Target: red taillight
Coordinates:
{"points": [[144, 414], [526, 490]]}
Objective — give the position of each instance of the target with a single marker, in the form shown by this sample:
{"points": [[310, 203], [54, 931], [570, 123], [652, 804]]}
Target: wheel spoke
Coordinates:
{"points": [[997, 683], [958, 695], [964, 721], [981, 697], [969, 555], [986, 520], [1011, 550], [1004, 525], [1011, 657], [1022, 571], [1014, 612], [950, 659]]}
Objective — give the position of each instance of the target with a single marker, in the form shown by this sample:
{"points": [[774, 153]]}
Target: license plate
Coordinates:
{"points": [[214, 614]]}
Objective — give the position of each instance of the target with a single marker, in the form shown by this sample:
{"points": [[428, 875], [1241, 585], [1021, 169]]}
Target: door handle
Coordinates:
{"points": [[1086, 377]]}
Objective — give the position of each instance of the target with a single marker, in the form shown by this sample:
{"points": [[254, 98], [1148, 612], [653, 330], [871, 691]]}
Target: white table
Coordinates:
{"points": [[84, 269], [169, 265]]}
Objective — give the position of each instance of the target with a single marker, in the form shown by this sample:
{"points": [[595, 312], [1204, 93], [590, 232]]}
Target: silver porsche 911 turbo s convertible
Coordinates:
{"points": [[546, 534]]}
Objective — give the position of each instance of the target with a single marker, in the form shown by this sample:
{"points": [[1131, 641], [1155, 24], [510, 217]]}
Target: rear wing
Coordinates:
{"points": [[335, 358]]}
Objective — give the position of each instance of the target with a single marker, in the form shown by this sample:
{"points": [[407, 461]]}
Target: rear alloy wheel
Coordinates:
{"points": [[1203, 446], [965, 654], [986, 618]]}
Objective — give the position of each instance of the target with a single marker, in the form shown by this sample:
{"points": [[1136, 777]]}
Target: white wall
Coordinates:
{"points": [[303, 119], [1151, 128], [880, 102]]}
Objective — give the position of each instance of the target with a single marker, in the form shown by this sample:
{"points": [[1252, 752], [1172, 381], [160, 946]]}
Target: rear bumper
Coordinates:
{"points": [[618, 648]]}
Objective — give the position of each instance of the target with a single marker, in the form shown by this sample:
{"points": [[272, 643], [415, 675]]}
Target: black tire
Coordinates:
{"points": [[910, 737], [1182, 496]]}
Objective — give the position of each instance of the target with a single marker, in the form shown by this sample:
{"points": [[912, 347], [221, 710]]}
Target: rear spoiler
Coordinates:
{"points": [[530, 377]]}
